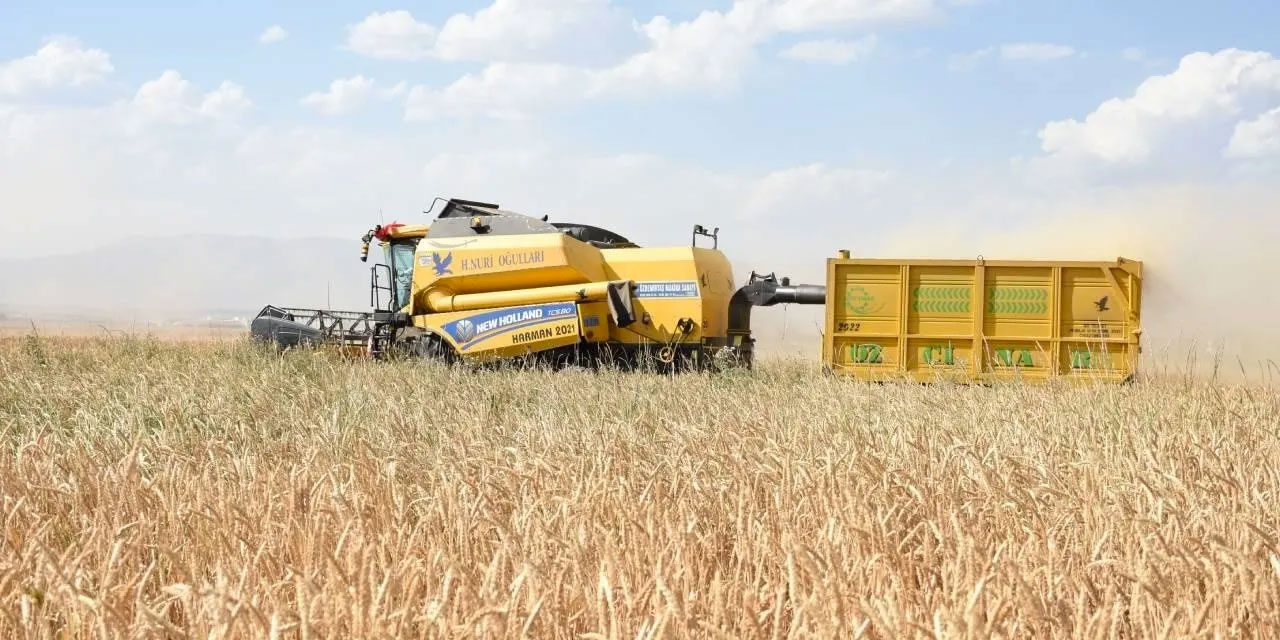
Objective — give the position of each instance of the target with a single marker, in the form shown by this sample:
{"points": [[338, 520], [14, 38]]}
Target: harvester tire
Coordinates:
{"points": [[430, 347]]}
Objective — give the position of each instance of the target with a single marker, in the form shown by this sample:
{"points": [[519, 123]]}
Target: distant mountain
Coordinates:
{"points": [[188, 276]]}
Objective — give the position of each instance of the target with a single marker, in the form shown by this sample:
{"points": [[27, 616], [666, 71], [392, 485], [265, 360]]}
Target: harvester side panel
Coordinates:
{"points": [[488, 263], [511, 331], [983, 320], [680, 294], [674, 284]]}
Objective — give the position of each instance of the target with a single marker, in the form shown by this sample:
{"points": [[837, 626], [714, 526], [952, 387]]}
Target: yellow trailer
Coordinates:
{"points": [[977, 321]]}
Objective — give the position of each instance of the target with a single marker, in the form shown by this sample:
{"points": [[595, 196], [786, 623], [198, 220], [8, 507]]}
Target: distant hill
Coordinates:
{"points": [[187, 276]]}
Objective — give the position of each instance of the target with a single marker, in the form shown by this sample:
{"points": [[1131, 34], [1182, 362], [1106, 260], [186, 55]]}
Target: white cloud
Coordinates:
{"points": [[969, 61], [591, 32], [61, 62], [273, 34], [227, 101], [1257, 137], [781, 189], [711, 51], [597, 33], [812, 15], [830, 51], [587, 32], [1035, 51], [501, 90], [394, 91], [344, 95], [1205, 89], [1012, 52], [714, 48], [171, 98], [168, 97], [1133, 54], [391, 35]]}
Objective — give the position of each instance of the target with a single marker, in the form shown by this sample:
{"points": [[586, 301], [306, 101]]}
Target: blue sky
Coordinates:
{"points": [[902, 105]]}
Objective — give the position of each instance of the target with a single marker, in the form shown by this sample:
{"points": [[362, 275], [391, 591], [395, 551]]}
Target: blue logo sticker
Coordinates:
{"points": [[441, 263], [482, 326], [464, 330], [671, 289]]}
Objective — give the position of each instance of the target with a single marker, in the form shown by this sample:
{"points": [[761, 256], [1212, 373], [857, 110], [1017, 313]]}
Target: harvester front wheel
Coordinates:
{"points": [[431, 347], [414, 343]]}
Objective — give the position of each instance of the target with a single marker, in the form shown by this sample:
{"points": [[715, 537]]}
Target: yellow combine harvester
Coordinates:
{"points": [[481, 283]]}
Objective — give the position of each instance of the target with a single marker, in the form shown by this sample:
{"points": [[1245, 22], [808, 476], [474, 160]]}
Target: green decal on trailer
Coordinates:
{"points": [[942, 299], [866, 353], [1018, 300], [1009, 358], [939, 355], [859, 301], [1083, 359]]}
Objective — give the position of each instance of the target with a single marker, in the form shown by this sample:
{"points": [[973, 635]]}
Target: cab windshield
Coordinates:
{"points": [[400, 255]]}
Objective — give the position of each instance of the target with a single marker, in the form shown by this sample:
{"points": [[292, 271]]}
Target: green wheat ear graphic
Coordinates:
{"points": [[942, 299], [1017, 300], [858, 301]]}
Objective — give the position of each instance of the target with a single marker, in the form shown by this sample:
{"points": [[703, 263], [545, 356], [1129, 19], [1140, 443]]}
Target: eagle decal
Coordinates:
{"points": [[441, 263]]}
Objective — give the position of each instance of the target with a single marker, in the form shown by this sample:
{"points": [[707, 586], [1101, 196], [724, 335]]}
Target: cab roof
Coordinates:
{"points": [[405, 231], [455, 208]]}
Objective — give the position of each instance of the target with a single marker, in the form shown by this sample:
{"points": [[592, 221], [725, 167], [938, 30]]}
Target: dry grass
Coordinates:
{"points": [[154, 489], [166, 333]]}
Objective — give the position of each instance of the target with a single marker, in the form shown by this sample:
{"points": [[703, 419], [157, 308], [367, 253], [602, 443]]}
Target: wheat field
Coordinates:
{"points": [[160, 489]]}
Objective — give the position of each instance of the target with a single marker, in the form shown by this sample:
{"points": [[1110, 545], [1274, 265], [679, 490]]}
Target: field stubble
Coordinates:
{"points": [[219, 490]]}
